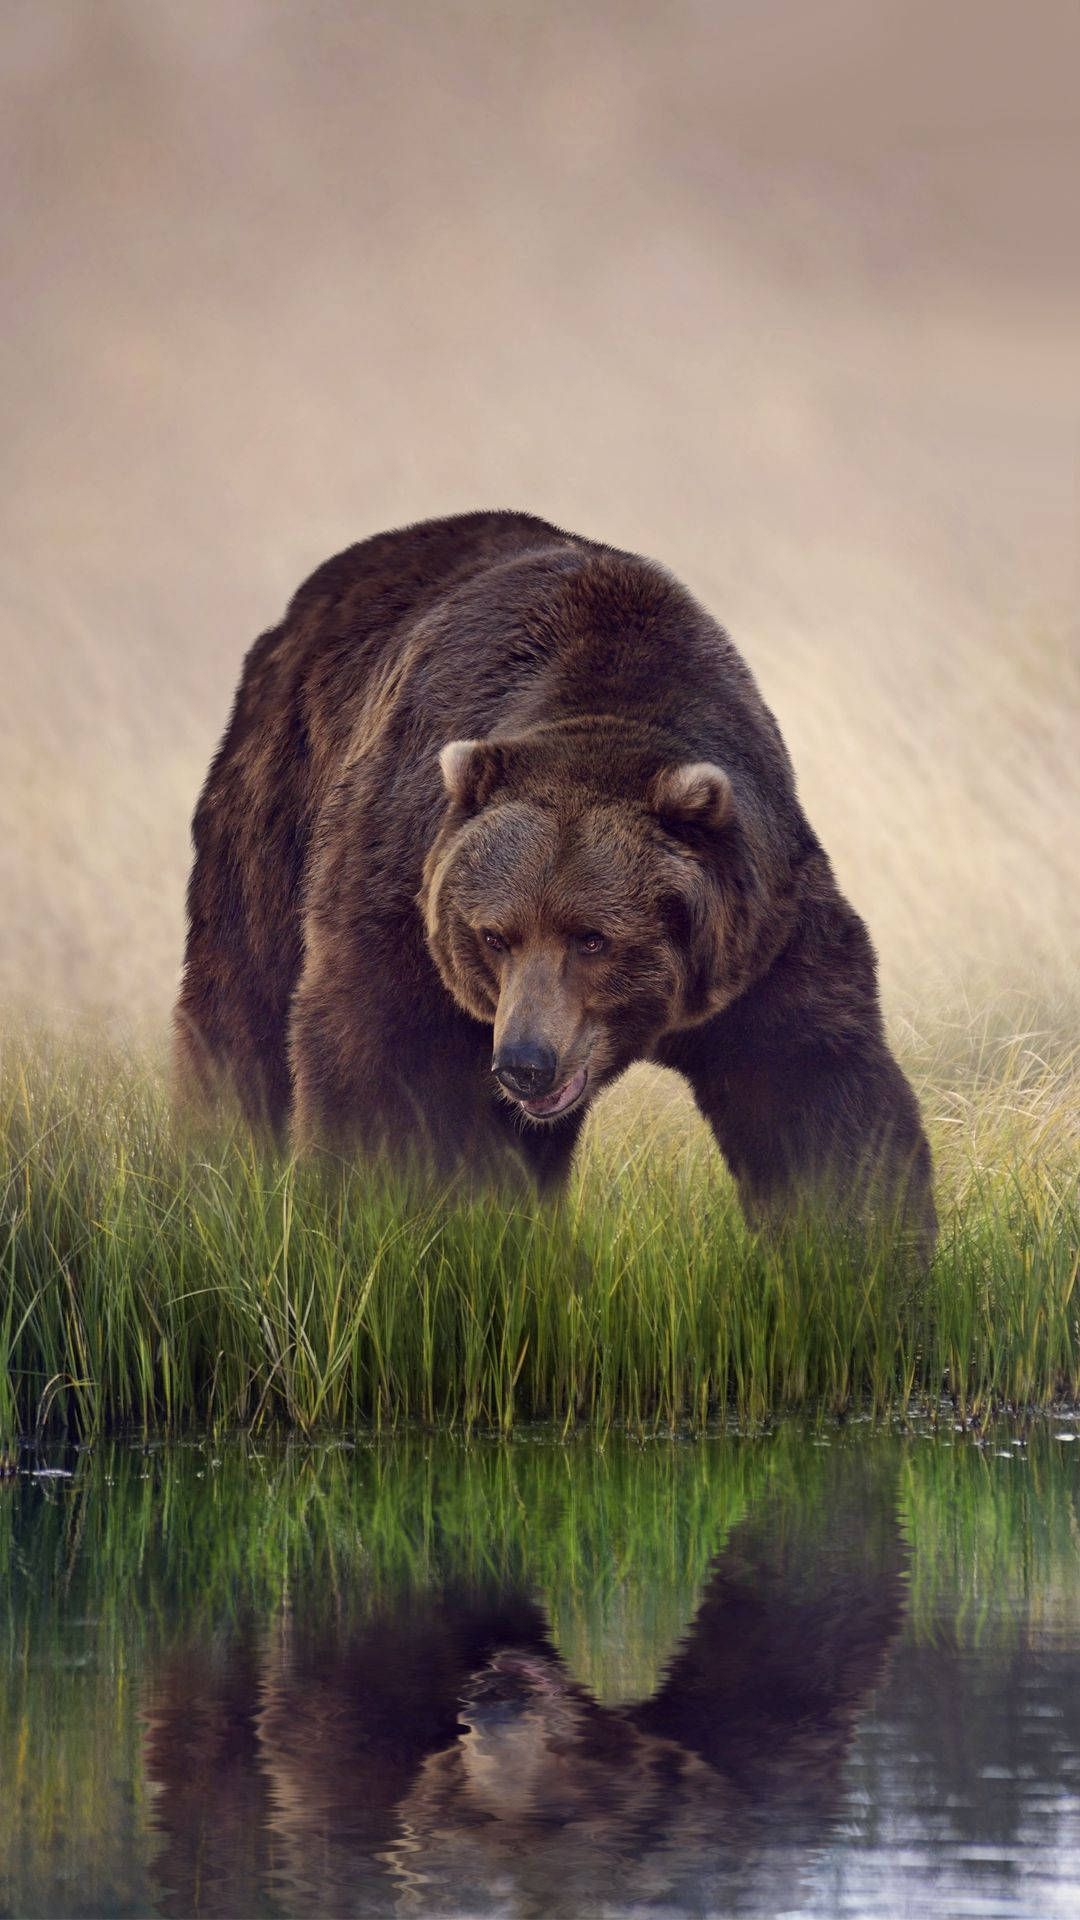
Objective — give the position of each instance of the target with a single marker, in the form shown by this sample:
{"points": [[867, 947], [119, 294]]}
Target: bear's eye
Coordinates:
{"points": [[590, 942], [493, 940]]}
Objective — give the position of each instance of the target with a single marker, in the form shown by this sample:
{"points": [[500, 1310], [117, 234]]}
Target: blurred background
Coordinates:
{"points": [[781, 292]]}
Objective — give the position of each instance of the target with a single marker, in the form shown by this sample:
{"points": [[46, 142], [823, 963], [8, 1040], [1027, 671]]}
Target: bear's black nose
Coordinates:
{"points": [[525, 1068]]}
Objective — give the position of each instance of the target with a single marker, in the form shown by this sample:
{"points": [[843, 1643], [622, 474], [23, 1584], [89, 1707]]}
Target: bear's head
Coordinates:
{"points": [[588, 890]]}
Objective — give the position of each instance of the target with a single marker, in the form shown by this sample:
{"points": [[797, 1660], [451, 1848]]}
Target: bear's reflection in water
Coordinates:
{"points": [[442, 1759]]}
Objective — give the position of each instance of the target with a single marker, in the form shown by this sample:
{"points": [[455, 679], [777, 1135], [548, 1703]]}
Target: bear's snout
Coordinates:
{"points": [[525, 1068]]}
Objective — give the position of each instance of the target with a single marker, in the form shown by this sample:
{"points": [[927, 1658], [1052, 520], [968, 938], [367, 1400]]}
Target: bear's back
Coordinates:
{"points": [[394, 578]]}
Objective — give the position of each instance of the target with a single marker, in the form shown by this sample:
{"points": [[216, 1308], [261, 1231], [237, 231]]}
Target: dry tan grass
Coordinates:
{"points": [[778, 295]]}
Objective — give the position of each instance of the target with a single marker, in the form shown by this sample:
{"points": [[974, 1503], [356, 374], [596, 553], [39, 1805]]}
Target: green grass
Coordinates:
{"points": [[148, 1282]]}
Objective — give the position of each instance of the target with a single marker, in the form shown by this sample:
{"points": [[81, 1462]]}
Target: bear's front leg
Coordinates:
{"points": [[374, 1079], [385, 1067], [808, 1106]]}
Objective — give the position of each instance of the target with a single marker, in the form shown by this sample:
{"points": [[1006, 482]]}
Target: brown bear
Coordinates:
{"points": [[500, 810]]}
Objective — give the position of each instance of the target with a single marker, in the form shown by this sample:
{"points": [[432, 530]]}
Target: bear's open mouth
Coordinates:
{"points": [[561, 1100]]}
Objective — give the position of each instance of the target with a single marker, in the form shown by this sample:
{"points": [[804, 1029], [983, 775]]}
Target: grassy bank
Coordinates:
{"points": [[146, 1281]]}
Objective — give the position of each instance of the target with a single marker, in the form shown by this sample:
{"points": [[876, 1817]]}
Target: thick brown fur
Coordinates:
{"points": [[608, 863]]}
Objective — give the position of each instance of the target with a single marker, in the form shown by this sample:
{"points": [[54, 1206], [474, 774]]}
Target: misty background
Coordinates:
{"points": [[783, 295]]}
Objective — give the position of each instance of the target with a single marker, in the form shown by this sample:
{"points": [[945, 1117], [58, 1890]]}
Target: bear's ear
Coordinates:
{"points": [[697, 794], [469, 771]]}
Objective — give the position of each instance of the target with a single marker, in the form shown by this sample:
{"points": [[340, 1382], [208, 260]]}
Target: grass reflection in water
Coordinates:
{"points": [[227, 1664]]}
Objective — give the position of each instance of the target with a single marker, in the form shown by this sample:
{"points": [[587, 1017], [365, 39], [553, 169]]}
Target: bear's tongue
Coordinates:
{"points": [[563, 1096]]}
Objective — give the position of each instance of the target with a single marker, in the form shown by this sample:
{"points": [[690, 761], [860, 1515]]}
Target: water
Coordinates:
{"points": [[803, 1674]]}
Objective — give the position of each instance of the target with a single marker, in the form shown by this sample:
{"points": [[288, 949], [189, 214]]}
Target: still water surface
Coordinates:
{"points": [[827, 1674]]}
